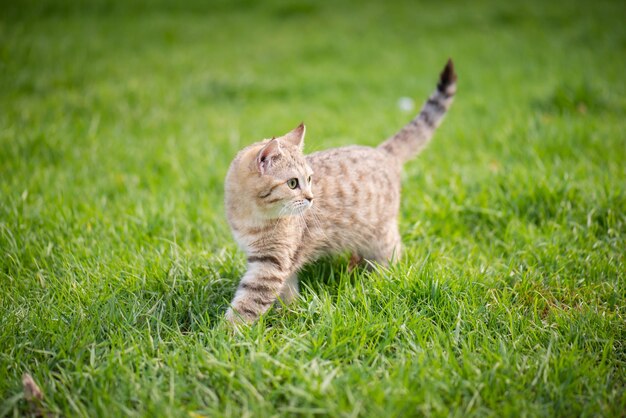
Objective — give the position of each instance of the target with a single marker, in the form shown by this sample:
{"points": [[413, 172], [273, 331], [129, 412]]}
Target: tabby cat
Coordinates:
{"points": [[287, 209]]}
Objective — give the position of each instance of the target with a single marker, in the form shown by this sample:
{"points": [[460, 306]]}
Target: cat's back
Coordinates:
{"points": [[356, 193], [351, 160], [354, 172]]}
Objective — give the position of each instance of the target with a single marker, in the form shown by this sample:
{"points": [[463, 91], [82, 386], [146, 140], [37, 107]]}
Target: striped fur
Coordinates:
{"points": [[345, 199], [411, 139]]}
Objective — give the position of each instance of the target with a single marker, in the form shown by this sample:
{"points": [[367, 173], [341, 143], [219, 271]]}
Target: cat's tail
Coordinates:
{"points": [[411, 139]]}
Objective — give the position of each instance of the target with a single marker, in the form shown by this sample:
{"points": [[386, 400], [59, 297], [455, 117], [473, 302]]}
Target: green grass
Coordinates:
{"points": [[117, 125]]}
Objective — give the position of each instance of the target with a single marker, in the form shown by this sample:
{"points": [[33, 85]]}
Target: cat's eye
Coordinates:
{"points": [[292, 183], [309, 179]]}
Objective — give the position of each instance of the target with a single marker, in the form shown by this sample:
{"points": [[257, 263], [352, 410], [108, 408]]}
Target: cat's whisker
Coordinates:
{"points": [[318, 223], [304, 224]]}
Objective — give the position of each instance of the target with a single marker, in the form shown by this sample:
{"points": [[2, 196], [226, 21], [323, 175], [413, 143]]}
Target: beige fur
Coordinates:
{"points": [[346, 199]]}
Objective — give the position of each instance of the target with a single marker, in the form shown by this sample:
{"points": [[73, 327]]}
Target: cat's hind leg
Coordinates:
{"points": [[386, 250], [355, 261]]}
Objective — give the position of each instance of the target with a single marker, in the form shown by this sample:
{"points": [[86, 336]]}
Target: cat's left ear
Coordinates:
{"points": [[295, 137]]}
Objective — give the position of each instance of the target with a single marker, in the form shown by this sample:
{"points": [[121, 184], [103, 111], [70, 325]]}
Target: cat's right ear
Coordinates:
{"points": [[267, 154], [295, 137]]}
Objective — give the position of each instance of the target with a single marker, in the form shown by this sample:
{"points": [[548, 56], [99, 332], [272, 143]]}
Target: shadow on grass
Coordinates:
{"points": [[328, 275], [179, 299], [188, 301]]}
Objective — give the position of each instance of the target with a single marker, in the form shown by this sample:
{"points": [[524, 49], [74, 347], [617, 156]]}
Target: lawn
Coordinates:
{"points": [[119, 119]]}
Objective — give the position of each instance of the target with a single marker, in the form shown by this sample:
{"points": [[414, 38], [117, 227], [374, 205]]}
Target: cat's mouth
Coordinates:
{"points": [[300, 206]]}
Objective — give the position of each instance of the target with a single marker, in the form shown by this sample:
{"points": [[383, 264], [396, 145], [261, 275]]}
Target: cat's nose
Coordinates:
{"points": [[309, 198]]}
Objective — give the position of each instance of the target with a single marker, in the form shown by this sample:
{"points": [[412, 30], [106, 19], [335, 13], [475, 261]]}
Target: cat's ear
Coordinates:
{"points": [[295, 137], [264, 159]]}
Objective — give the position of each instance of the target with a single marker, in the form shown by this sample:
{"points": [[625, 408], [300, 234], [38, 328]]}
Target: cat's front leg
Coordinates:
{"points": [[258, 289]]}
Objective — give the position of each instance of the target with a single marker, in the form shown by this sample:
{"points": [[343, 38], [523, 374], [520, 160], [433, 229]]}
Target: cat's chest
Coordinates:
{"points": [[267, 237], [242, 239]]}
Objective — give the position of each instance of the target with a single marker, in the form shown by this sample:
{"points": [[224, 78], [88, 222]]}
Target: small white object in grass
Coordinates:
{"points": [[406, 104]]}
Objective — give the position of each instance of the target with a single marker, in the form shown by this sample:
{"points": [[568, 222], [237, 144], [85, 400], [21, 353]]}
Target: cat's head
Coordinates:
{"points": [[271, 178]]}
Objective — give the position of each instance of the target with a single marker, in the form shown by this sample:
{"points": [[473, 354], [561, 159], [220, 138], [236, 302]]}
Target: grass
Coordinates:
{"points": [[118, 123]]}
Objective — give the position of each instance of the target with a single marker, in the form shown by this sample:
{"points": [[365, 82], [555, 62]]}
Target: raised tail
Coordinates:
{"points": [[411, 139]]}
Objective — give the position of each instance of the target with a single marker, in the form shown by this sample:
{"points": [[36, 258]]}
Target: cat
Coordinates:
{"points": [[286, 209]]}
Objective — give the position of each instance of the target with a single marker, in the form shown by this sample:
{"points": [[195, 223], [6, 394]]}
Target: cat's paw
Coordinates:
{"points": [[230, 316], [355, 261], [237, 318]]}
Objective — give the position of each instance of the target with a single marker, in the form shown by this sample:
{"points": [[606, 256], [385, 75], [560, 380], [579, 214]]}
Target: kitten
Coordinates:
{"points": [[286, 209]]}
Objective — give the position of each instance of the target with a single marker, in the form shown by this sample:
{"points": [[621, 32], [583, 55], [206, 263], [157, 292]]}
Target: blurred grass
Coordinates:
{"points": [[118, 123]]}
